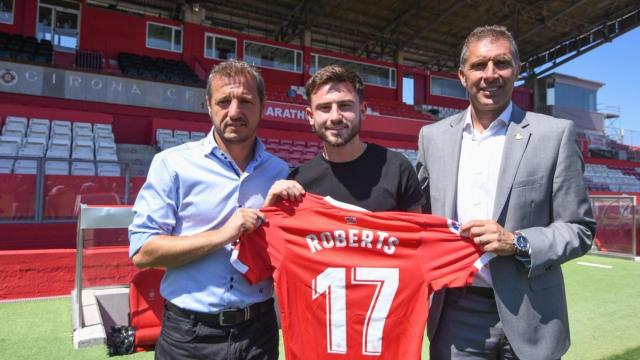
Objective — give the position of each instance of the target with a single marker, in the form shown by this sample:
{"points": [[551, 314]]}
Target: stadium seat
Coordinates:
{"points": [[82, 149], [64, 124], [56, 168], [6, 166], [197, 135], [80, 125], [33, 146], [103, 136], [40, 121], [23, 166], [106, 151], [168, 142], [83, 168], [82, 134], [59, 148], [181, 136], [146, 308], [9, 145], [14, 129], [102, 127], [162, 133], [19, 120], [38, 130], [108, 169]]}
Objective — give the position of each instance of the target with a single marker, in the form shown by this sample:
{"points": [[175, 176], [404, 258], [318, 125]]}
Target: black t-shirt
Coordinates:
{"points": [[378, 180]]}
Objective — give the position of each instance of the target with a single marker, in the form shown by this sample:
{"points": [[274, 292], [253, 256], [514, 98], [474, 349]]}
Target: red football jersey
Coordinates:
{"points": [[354, 284]]}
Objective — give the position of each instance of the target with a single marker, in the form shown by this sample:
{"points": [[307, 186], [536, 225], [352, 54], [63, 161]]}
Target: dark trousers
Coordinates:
{"points": [[183, 338], [469, 328]]}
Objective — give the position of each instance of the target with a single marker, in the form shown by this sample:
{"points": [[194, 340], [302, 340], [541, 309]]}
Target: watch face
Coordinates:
{"points": [[522, 243]]}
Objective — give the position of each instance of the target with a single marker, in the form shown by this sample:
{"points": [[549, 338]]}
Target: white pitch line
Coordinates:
{"points": [[595, 265]]}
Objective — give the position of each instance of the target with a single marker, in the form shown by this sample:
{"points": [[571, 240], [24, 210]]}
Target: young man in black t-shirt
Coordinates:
{"points": [[348, 169]]}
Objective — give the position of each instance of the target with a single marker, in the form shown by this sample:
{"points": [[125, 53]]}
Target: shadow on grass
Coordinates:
{"points": [[630, 354]]}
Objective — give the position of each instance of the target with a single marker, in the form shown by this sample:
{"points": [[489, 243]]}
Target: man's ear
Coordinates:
{"points": [[363, 110], [462, 77], [309, 115]]}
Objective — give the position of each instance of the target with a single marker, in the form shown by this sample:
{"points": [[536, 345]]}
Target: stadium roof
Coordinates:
{"points": [[426, 34]]}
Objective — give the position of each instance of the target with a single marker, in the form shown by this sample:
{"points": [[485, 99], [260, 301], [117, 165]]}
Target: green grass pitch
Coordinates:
{"points": [[604, 311]]}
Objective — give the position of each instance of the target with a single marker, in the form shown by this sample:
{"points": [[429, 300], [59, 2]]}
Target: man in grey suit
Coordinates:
{"points": [[514, 180]]}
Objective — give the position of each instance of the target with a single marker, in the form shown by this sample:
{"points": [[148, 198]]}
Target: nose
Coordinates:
{"points": [[490, 70], [335, 114], [234, 109]]}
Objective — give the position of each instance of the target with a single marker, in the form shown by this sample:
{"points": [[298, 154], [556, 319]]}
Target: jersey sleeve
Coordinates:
{"points": [[256, 255], [448, 259]]}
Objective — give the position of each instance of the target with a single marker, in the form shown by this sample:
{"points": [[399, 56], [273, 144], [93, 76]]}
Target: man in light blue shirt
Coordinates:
{"points": [[198, 199]]}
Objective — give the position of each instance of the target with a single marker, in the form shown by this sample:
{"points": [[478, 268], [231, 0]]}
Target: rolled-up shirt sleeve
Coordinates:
{"points": [[155, 208]]}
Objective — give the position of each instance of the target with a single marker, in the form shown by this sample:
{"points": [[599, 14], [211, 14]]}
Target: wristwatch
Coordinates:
{"points": [[521, 244]]}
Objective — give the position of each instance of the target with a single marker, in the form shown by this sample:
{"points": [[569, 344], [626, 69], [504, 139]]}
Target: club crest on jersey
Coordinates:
{"points": [[454, 226], [350, 220]]}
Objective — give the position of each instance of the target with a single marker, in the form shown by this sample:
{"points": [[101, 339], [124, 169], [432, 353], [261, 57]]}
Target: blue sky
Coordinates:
{"points": [[616, 65]]}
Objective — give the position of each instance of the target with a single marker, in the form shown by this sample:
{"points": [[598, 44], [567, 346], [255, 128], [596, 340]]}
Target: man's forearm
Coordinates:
{"points": [[167, 251]]}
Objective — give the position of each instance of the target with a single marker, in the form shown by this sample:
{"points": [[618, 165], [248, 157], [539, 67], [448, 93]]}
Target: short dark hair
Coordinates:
{"points": [[334, 74], [235, 68], [493, 32]]}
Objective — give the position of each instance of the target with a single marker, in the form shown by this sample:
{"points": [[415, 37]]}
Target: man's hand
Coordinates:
{"points": [[244, 221], [490, 236], [284, 190]]}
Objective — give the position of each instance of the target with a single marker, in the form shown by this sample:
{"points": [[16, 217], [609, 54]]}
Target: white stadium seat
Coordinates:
{"points": [[56, 168], [82, 149], [83, 168], [59, 148], [23, 166], [108, 169]]}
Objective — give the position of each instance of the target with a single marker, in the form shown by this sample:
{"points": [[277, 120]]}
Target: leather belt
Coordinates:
{"points": [[223, 318], [481, 291]]}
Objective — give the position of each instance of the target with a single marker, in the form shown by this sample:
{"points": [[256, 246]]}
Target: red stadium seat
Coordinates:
{"points": [[146, 307]]}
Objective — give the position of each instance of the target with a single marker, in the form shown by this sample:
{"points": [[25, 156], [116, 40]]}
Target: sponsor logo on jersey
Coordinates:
{"points": [[350, 220], [454, 226]]}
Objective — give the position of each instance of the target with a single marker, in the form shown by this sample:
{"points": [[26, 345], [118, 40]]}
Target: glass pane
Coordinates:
{"points": [[177, 40], [270, 57], [225, 48], [408, 90], [66, 31], [447, 87], [45, 16], [159, 36], [208, 46], [17, 196], [6, 11]]}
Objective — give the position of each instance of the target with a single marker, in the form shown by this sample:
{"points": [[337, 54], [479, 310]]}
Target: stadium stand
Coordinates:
{"points": [[157, 69], [25, 48]]}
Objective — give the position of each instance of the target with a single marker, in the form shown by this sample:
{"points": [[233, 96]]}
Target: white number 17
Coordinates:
{"points": [[332, 282]]}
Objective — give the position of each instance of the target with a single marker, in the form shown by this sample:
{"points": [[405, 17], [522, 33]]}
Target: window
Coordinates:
{"points": [[575, 97], [164, 37], [6, 11], [219, 47], [59, 25], [408, 90], [370, 74], [272, 57], [447, 87]]}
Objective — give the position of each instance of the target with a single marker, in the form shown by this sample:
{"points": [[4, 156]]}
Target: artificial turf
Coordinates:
{"points": [[604, 311]]}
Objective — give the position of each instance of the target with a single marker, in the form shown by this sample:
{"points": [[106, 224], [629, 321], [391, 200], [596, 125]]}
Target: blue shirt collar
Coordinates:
{"points": [[209, 146]]}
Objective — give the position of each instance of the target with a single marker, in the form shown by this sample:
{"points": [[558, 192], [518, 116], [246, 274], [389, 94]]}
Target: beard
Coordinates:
{"points": [[342, 138]]}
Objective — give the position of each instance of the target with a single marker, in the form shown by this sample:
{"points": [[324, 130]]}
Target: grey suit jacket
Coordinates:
{"points": [[540, 191]]}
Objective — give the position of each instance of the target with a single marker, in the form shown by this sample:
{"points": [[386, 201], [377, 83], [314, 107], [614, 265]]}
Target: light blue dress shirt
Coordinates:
{"points": [[193, 188]]}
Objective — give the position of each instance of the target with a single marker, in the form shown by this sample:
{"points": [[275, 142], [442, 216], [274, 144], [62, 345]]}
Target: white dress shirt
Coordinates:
{"points": [[478, 171]]}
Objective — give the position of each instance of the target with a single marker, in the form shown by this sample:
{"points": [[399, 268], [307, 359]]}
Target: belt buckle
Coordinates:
{"points": [[221, 319]]}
